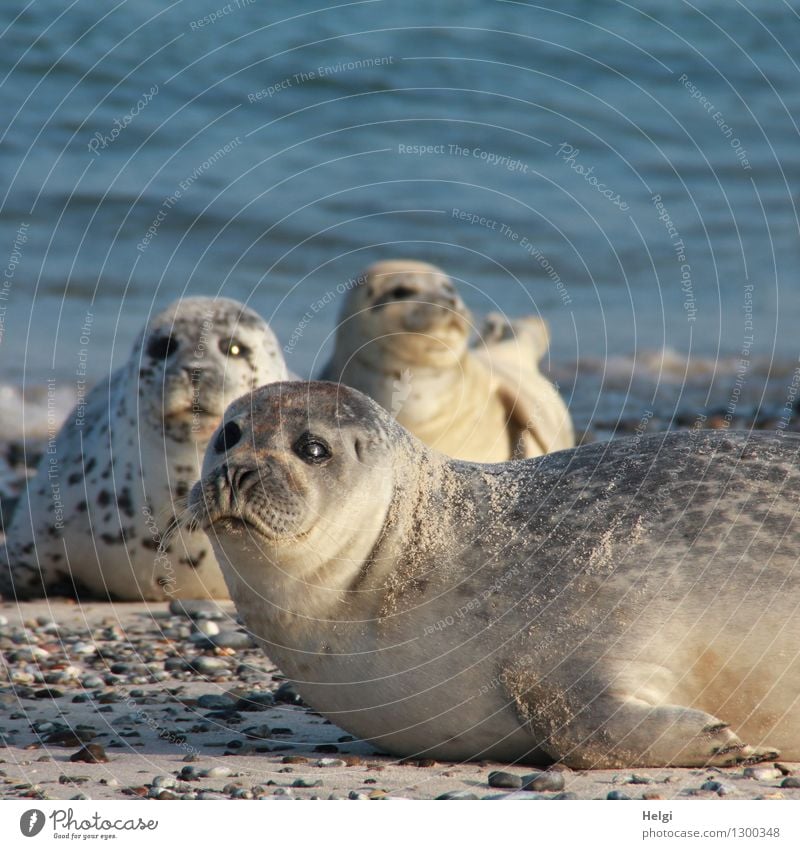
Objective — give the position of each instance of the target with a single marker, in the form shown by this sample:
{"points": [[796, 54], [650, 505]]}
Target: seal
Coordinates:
{"points": [[620, 604], [92, 518], [403, 339]]}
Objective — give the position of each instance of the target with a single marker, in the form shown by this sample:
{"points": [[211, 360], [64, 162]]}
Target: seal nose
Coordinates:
{"points": [[227, 437]]}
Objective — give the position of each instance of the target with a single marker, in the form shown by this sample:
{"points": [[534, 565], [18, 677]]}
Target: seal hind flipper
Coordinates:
{"points": [[611, 731]]}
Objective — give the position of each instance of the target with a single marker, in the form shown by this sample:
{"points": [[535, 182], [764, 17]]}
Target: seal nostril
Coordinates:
{"points": [[227, 437]]}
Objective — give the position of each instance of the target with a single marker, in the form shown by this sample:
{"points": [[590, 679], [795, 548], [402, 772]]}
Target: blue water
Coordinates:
{"points": [[696, 103]]}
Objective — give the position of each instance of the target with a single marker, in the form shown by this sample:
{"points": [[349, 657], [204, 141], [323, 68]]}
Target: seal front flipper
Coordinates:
{"points": [[605, 730]]}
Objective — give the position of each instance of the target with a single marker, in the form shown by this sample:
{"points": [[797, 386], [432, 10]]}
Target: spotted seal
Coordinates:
{"points": [[403, 339], [92, 518], [622, 604]]}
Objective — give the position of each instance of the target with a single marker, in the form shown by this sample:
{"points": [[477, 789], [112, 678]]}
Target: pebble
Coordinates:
{"points": [[791, 781], [217, 772], [762, 773], [618, 794], [464, 795], [307, 782], [255, 701], [505, 779], [91, 753], [331, 762], [197, 609], [216, 702], [209, 665], [164, 781], [717, 787], [543, 781], [232, 640], [287, 695], [206, 628]]}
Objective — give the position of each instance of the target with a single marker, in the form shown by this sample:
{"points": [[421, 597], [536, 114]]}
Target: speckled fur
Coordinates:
{"points": [[124, 472], [612, 605]]}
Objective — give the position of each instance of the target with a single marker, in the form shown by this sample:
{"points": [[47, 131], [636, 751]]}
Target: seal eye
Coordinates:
{"points": [[233, 348], [400, 293], [227, 437], [312, 449], [160, 347]]}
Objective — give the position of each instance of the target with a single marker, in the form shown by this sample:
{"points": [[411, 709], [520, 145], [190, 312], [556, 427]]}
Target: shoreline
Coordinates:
{"points": [[178, 717]]}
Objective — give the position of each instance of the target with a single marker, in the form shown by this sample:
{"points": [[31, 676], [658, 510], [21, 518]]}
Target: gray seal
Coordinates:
{"points": [[111, 481], [403, 339], [620, 604]]}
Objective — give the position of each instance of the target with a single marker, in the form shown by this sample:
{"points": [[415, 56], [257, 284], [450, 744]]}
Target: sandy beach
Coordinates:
{"points": [[130, 701]]}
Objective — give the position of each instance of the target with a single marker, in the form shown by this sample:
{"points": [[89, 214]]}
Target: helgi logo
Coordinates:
{"points": [[31, 822]]}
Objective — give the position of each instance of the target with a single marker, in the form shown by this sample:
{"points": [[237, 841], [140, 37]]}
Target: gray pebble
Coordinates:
{"points": [[213, 701], [464, 795], [618, 794], [717, 787], [209, 665], [307, 782], [217, 772], [164, 781], [762, 773], [197, 609], [354, 794], [255, 701], [544, 781], [505, 779], [232, 640], [331, 762], [791, 781], [283, 791]]}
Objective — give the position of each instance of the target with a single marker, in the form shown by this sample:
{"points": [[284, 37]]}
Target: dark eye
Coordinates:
{"points": [[161, 347], [312, 449], [233, 348], [401, 292], [227, 437]]}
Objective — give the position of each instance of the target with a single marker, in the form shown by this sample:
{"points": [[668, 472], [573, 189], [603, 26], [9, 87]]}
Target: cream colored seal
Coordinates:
{"points": [[403, 339], [632, 603], [109, 484]]}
